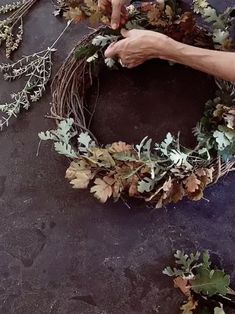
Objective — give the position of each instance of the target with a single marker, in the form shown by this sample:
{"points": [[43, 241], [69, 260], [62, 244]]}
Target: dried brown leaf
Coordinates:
{"points": [[183, 285], [196, 196], [91, 5], [82, 179], [102, 190], [154, 17], [102, 156], [74, 14], [75, 168], [119, 147], [94, 19], [178, 192], [192, 183], [190, 306], [133, 189]]}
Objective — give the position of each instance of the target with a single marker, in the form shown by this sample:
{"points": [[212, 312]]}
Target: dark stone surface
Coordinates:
{"points": [[61, 252]]}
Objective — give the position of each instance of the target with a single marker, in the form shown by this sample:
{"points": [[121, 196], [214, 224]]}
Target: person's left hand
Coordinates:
{"points": [[137, 47]]}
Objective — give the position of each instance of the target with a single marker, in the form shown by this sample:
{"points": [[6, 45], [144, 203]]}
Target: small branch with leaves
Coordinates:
{"points": [[37, 69], [207, 288], [11, 28]]}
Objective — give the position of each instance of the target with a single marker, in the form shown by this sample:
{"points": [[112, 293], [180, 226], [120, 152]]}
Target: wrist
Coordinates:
{"points": [[166, 48]]}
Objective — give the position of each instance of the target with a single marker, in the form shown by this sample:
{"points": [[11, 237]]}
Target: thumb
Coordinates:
{"points": [[125, 33], [111, 51], [116, 14]]}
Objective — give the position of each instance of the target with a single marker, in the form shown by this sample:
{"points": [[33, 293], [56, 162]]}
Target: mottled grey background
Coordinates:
{"points": [[61, 252]]}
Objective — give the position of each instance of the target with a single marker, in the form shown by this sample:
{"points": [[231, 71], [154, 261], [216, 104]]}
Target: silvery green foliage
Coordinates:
{"points": [[61, 137], [85, 142], [104, 40], [109, 62], [6, 8], [92, 58], [187, 264], [37, 69], [219, 310], [146, 185]]}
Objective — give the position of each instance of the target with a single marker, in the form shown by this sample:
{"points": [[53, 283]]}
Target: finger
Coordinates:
{"points": [[125, 33], [116, 14], [111, 51]]}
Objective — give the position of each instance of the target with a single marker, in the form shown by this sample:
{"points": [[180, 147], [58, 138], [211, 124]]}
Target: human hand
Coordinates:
{"points": [[139, 46], [117, 10]]}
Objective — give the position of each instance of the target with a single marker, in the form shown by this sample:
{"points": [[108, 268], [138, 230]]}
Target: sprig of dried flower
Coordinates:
{"points": [[9, 7], [11, 28], [37, 69]]}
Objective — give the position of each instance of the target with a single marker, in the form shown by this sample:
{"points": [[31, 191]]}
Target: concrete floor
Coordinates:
{"points": [[61, 252]]}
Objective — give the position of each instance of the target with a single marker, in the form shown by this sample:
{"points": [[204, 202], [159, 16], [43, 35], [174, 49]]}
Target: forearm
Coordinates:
{"points": [[217, 63]]}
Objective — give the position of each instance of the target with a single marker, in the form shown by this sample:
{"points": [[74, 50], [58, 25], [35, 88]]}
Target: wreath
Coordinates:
{"points": [[158, 173]]}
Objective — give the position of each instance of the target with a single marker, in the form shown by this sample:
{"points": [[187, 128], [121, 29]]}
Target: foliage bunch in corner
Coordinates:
{"points": [[11, 28], [37, 69], [205, 287]]}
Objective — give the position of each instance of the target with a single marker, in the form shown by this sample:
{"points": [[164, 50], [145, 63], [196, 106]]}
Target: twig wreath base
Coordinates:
{"points": [[158, 173]]}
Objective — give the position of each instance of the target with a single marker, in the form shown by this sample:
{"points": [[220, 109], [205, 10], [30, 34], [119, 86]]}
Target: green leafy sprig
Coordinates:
{"points": [[199, 281]]}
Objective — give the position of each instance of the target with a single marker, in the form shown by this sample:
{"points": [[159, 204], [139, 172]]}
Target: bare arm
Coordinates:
{"points": [[217, 63], [140, 45]]}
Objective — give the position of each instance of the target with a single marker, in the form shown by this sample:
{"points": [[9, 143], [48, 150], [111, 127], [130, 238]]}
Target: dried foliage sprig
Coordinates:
{"points": [[6, 8], [37, 69], [11, 28], [158, 173], [206, 287]]}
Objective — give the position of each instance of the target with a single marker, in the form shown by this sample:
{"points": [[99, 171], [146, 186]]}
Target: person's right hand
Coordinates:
{"points": [[117, 10]]}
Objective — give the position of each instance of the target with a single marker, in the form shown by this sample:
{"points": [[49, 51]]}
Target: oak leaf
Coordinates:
{"points": [[102, 156], [154, 17], [196, 196], [95, 18], [192, 183], [119, 147], [75, 168], [205, 175], [82, 179], [74, 14], [183, 285], [178, 192], [133, 189], [91, 5], [102, 190]]}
